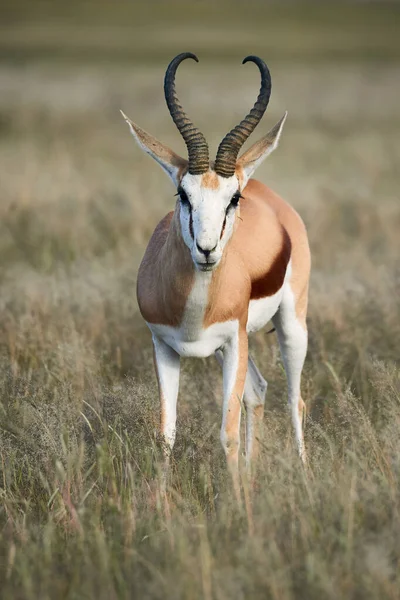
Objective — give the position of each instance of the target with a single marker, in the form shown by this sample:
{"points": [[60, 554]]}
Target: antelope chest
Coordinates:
{"points": [[195, 338], [192, 337]]}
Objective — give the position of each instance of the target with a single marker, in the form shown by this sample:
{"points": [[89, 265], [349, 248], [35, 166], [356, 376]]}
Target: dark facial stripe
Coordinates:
{"points": [[223, 228], [269, 283], [191, 225]]}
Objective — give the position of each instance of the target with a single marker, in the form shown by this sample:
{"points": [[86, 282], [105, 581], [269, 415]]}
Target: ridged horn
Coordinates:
{"points": [[195, 141], [230, 146]]}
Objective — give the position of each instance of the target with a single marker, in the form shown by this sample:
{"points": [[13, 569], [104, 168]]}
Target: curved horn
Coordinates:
{"points": [[195, 141], [229, 148]]}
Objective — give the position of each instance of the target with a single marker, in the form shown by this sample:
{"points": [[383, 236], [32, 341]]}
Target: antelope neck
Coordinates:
{"points": [[178, 277]]}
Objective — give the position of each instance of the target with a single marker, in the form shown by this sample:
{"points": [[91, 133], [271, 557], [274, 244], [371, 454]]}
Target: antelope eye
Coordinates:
{"points": [[183, 198], [235, 200]]}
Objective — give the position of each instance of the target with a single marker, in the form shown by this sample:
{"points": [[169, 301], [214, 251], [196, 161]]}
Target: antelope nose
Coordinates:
{"points": [[205, 251]]}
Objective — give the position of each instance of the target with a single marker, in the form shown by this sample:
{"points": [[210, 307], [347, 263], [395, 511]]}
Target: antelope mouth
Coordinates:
{"points": [[205, 267]]}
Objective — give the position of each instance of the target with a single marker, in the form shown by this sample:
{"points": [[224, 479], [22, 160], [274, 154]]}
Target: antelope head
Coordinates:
{"points": [[209, 193]]}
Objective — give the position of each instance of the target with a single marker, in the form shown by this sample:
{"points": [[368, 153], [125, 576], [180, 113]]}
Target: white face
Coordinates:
{"points": [[208, 204]]}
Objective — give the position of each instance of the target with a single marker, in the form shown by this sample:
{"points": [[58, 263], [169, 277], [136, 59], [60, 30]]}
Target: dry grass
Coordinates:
{"points": [[81, 512]]}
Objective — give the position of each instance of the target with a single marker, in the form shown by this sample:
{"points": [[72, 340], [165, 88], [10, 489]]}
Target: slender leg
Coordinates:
{"points": [[234, 375], [292, 336], [255, 389], [167, 365]]}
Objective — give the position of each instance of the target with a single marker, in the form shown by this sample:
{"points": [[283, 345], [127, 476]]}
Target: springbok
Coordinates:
{"points": [[231, 257]]}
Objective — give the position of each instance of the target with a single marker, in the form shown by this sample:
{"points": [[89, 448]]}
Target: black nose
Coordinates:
{"points": [[205, 251]]}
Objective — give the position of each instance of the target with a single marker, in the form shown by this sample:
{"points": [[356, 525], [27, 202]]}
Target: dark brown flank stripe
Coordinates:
{"points": [[272, 281]]}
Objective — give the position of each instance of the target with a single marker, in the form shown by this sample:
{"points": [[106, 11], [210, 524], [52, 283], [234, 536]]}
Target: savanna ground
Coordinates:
{"points": [[81, 511]]}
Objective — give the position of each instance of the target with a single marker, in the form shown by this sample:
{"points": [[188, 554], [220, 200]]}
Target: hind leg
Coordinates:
{"points": [[255, 389], [292, 335]]}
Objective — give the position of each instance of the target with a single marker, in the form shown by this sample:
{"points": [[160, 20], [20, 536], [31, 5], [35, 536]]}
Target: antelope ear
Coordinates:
{"points": [[172, 164], [253, 157]]}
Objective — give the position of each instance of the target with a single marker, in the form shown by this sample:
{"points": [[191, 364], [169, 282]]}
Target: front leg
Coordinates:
{"points": [[167, 366], [235, 354]]}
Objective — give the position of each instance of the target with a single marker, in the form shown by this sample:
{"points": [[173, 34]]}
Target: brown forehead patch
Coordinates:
{"points": [[210, 180], [271, 281]]}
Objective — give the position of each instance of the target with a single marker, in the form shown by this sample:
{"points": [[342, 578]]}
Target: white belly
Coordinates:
{"points": [[261, 311], [206, 341]]}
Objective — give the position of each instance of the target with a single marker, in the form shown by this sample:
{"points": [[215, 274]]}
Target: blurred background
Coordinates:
{"points": [[78, 203]]}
